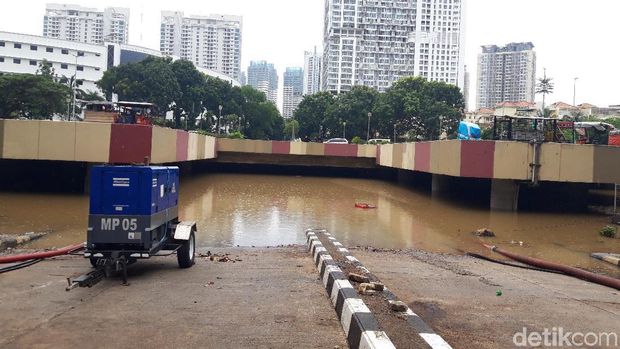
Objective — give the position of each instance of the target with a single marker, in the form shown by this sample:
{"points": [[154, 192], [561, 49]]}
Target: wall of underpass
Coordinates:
{"points": [[571, 163]]}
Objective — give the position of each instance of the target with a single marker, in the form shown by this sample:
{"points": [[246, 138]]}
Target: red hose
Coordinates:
{"points": [[576, 272], [40, 255]]}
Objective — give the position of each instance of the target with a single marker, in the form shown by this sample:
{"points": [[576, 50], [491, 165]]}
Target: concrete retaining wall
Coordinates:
{"points": [[571, 163], [100, 142]]}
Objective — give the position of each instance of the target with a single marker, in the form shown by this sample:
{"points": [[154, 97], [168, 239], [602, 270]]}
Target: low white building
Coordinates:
{"points": [[22, 53]]}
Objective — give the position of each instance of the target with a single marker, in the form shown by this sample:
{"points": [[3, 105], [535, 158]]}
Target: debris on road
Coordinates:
{"points": [[397, 306], [358, 278], [485, 233], [214, 257], [11, 241]]}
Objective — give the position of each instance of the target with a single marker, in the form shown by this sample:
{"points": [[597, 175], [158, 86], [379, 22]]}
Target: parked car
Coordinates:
{"points": [[337, 141], [379, 141]]}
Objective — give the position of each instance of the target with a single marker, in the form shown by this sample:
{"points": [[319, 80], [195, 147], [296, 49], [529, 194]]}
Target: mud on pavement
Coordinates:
{"points": [[254, 298]]}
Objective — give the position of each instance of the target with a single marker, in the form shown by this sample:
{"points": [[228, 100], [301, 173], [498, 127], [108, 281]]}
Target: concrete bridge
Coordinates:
{"points": [[505, 164]]}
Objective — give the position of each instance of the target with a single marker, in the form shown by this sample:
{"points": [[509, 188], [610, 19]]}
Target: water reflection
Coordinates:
{"points": [[262, 210]]}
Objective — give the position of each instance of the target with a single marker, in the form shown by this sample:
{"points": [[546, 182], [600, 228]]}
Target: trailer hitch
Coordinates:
{"points": [[104, 269], [86, 280]]}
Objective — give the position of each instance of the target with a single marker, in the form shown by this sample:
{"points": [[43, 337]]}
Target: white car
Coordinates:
{"points": [[379, 141], [337, 141]]}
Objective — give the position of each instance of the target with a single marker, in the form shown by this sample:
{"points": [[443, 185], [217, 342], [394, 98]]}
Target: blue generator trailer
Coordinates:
{"points": [[134, 214]]}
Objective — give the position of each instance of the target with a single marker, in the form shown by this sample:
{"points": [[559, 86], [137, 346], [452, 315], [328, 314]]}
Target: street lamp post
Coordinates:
{"points": [[344, 129], [218, 119], [73, 84], [368, 130], [394, 133], [574, 90]]}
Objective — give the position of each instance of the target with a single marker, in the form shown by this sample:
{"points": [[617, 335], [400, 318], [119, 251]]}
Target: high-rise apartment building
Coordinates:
{"points": [[506, 74], [88, 25], [312, 72], [376, 42], [264, 77], [212, 42], [293, 90]]}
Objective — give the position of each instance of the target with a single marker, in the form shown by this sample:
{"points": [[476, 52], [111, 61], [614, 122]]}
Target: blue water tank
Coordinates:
{"points": [[468, 131], [133, 190]]}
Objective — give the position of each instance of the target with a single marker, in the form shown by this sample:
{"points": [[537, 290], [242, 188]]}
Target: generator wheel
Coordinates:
{"points": [[185, 254]]}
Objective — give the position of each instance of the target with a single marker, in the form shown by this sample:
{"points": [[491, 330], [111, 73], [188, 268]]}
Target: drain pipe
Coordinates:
{"points": [[535, 165], [572, 271]]}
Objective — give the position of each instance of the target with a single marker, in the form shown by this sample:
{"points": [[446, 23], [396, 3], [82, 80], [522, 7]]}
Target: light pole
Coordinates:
{"points": [[394, 133], [73, 83], [368, 130], [344, 129], [574, 90], [218, 119]]}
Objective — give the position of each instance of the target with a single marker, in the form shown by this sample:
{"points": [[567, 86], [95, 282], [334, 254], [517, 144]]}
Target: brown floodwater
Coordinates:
{"points": [[266, 210]]}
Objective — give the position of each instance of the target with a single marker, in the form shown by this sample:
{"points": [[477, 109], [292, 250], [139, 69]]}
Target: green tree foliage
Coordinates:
{"points": [[151, 80], [425, 109], [412, 106], [180, 87], [33, 96], [291, 129], [312, 114], [88, 95], [614, 121], [353, 108]]}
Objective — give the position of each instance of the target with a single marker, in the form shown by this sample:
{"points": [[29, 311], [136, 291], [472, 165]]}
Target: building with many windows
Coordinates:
{"points": [[312, 72], [88, 25], [293, 90], [506, 74], [212, 42], [264, 77], [22, 53], [376, 42]]}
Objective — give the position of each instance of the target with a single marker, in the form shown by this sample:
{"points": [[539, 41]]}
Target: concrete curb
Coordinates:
{"points": [[358, 323], [415, 321]]}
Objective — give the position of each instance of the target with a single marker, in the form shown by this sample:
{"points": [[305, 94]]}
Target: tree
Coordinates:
{"points": [[191, 87], [353, 108], [425, 109], [544, 87], [311, 114], [262, 117], [291, 128], [88, 95], [151, 80], [32, 96]]}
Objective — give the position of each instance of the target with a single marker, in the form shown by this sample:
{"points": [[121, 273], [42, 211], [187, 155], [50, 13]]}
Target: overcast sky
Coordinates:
{"points": [[572, 38]]}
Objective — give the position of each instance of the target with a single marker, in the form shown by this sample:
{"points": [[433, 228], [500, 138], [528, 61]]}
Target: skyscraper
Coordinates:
{"points": [[211, 42], [506, 74], [88, 25], [376, 42], [293, 90], [264, 77], [312, 72]]}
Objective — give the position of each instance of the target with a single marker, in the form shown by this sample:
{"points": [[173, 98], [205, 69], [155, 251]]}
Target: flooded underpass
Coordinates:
{"points": [[269, 210]]}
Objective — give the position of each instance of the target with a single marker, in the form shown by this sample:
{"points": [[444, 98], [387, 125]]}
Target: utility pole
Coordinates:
{"points": [[218, 119], [368, 130], [575, 91]]}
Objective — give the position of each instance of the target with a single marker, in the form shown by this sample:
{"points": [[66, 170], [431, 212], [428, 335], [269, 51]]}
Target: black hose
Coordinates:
{"points": [[19, 265], [489, 259]]}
